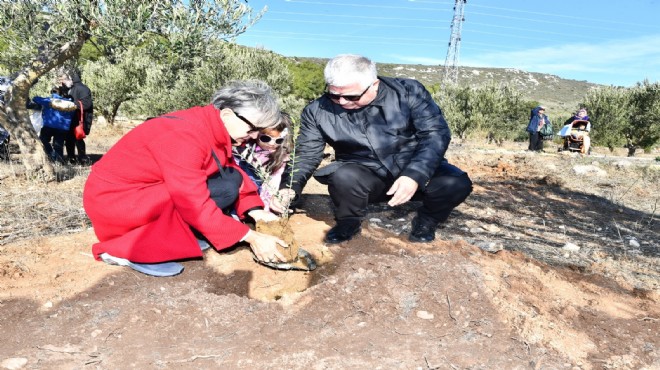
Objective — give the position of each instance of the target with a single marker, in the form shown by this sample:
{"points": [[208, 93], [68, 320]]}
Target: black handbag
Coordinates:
{"points": [[224, 186]]}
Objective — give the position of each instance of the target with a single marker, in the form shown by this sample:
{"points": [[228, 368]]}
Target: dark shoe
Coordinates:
{"points": [[343, 231], [423, 231]]}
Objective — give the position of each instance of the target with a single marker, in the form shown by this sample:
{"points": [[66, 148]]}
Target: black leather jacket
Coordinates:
{"points": [[402, 131]]}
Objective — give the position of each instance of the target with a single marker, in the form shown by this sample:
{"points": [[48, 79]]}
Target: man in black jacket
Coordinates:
{"points": [[389, 138], [82, 96]]}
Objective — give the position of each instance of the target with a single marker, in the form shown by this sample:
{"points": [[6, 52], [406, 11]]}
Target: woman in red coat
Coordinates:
{"points": [[174, 174]]}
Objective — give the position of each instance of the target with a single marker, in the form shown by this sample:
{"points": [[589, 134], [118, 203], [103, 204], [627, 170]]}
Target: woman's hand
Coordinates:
{"points": [[281, 201], [264, 246], [261, 215]]}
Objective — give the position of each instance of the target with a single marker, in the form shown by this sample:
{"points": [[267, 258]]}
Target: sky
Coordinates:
{"points": [[615, 42]]}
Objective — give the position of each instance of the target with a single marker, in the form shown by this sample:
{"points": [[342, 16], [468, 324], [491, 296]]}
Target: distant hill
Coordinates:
{"points": [[559, 95]]}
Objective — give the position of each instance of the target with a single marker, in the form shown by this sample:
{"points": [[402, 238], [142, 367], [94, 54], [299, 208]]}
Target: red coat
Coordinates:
{"points": [[149, 189]]}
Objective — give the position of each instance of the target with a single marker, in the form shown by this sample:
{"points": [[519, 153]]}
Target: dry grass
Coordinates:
{"points": [[31, 208]]}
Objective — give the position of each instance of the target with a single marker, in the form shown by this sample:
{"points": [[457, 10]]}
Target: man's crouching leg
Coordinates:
{"points": [[442, 194]]}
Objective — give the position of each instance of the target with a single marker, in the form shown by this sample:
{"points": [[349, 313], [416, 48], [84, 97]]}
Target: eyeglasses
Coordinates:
{"points": [[267, 138], [348, 97], [253, 128]]}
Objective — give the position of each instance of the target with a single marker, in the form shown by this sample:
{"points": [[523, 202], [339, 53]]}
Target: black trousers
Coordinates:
{"points": [[353, 187], [535, 141], [56, 150]]}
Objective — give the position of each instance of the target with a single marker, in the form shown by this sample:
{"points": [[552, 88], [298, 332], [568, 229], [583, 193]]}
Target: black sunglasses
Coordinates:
{"points": [[250, 124], [347, 97], [267, 138]]}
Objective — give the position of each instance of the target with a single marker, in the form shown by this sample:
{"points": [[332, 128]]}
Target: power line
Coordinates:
{"points": [[581, 19]]}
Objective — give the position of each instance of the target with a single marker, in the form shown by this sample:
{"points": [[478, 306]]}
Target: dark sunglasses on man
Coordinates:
{"points": [[347, 97], [267, 139]]}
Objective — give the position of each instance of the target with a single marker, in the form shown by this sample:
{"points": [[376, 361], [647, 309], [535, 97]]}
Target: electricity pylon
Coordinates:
{"points": [[451, 62]]}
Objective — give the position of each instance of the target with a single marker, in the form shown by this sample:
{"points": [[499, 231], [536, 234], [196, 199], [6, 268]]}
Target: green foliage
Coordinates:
{"points": [[308, 81], [90, 52], [608, 110], [115, 83], [175, 29], [644, 128], [166, 89], [628, 117], [496, 113]]}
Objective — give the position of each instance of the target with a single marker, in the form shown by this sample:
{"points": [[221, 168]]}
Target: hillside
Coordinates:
{"points": [[558, 94]]}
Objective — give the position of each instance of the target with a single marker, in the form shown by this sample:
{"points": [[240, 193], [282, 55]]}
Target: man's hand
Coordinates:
{"points": [[261, 215], [403, 189], [281, 201], [264, 246]]}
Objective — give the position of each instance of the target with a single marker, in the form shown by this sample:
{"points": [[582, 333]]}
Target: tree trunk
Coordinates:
{"points": [[15, 116], [113, 114], [33, 156]]}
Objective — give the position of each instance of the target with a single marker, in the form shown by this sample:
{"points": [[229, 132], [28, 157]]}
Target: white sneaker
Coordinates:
{"points": [[153, 269]]}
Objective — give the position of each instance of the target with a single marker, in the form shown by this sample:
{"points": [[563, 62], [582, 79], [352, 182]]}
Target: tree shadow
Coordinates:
{"points": [[545, 221]]}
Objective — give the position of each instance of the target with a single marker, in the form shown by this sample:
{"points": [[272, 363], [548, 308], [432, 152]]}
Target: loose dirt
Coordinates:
{"points": [[544, 267]]}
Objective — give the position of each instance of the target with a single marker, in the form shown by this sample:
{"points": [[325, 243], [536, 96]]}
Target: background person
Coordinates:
{"points": [[56, 125], [72, 86], [389, 138], [581, 115], [538, 127], [176, 173]]}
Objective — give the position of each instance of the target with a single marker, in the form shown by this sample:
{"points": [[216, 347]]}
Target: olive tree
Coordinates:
{"points": [[165, 90], [495, 112], [625, 117], [643, 130], [41, 35], [115, 83]]}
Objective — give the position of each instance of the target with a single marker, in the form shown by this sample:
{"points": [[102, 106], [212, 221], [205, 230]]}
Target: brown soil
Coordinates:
{"points": [[571, 281]]}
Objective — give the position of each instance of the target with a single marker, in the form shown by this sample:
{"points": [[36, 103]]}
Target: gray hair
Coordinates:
{"points": [[348, 69], [252, 96]]}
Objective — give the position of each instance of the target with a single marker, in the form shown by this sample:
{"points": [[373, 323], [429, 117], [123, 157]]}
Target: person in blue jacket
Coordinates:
{"points": [[56, 125]]}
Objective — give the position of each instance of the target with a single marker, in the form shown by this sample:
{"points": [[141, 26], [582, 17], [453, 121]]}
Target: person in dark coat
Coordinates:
{"points": [[82, 96], [539, 123], [390, 140]]}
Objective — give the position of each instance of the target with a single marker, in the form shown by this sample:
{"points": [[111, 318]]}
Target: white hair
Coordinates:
{"points": [[249, 96], [349, 69]]}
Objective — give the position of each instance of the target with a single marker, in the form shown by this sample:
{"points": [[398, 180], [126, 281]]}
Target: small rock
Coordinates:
{"points": [[14, 363], [634, 243], [562, 227], [570, 247], [491, 228], [476, 230], [622, 164], [424, 315], [491, 247], [375, 220], [589, 170], [48, 304]]}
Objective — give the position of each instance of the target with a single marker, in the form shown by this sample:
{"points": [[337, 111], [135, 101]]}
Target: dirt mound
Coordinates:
{"points": [[376, 301]]}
